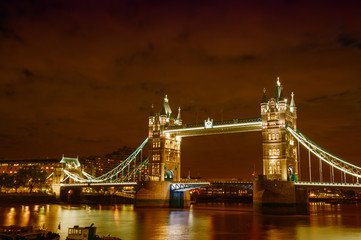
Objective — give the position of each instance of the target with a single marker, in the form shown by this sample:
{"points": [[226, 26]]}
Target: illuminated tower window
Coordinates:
{"points": [[155, 168], [156, 143]]}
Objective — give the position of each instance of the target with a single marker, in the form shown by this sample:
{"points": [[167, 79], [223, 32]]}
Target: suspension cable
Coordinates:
{"points": [[309, 164]]}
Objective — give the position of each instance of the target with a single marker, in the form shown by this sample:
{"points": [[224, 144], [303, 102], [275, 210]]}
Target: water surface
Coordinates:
{"points": [[201, 221]]}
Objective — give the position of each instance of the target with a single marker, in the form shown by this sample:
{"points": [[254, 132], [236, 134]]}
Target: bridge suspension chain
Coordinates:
{"points": [[112, 174], [322, 154]]}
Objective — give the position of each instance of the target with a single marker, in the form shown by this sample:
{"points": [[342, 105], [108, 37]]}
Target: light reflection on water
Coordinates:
{"points": [[202, 221]]}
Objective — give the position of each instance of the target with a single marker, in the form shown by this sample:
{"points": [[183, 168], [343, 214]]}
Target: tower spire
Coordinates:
{"points": [[278, 91], [179, 114]]}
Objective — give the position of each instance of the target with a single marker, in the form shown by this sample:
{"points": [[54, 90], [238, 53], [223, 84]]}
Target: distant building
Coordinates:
{"points": [[104, 164], [13, 166]]}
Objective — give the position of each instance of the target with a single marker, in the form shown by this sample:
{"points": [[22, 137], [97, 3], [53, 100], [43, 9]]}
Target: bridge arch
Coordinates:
{"points": [[168, 175]]}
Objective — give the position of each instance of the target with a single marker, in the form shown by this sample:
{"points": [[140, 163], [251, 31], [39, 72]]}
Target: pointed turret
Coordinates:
{"points": [[152, 111], [292, 104], [264, 97], [179, 114], [151, 116], [264, 102], [179, 120]]}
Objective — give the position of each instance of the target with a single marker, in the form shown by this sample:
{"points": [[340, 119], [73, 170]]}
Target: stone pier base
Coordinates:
{"points": [[279, 197], [152, 194]]}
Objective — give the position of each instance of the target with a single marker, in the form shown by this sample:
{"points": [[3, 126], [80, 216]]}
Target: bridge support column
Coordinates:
{"points": [[279, 197], [57, 191], [158, 194], [179, 199]]}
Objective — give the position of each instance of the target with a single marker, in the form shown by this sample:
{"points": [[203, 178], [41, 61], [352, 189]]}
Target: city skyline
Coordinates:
{"points": [[80, 79]]}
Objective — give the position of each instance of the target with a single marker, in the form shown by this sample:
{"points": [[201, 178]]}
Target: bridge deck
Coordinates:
{"points": [[328, 185], [110, 184]]}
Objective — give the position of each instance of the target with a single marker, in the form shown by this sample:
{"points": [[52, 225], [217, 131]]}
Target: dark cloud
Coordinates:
{"points": [[335, 95], [5, 31], [347, 40], [27, 73]]}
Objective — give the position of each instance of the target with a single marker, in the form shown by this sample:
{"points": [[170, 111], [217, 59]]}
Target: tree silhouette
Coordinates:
{"points": [[31, 177]]}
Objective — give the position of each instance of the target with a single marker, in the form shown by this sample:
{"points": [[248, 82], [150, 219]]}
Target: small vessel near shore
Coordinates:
{"points": [[15, 232], [86, 233]]}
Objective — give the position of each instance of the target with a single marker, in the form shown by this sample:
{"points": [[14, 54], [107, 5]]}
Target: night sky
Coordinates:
{"points": [[79, 77]]}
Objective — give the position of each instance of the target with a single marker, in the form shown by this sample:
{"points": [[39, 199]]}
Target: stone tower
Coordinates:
{"points": [[164, 153], [279, 146]]}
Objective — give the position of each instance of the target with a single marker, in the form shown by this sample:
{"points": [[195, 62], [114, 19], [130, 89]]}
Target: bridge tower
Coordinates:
{"points": [[70, 164], [165, 148], [279, 146]]}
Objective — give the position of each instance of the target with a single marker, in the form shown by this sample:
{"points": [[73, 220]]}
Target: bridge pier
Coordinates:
{"points": [[57, 191], [279, 197], [158, 194]]}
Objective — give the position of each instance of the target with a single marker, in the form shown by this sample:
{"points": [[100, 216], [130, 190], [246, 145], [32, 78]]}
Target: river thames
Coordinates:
{"points": [[201, 221]]}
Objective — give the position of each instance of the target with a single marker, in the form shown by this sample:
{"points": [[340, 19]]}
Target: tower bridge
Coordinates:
{"points": [[279, 185]]}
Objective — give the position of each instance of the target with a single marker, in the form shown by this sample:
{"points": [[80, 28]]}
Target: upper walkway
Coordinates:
{"points": [[221, 127]]}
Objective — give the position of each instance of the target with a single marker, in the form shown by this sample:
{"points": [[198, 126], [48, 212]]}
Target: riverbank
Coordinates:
{"points": [[27, 198]]}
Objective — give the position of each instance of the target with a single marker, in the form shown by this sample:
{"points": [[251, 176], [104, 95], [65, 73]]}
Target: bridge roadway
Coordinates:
{"points": [[175, 186], [188, 185], [316, 185], [220, 127]]}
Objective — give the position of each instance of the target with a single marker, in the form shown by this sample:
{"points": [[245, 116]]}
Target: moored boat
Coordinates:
{"points": [[86, 233]]}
